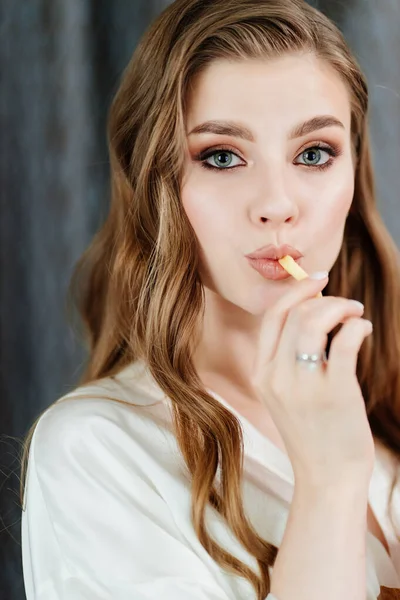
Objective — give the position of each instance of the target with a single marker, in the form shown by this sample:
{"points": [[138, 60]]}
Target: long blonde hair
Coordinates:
{"points": [[137, 286]]}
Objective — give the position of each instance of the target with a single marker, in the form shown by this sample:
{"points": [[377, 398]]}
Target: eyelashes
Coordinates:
{"points": [[332, 150]]}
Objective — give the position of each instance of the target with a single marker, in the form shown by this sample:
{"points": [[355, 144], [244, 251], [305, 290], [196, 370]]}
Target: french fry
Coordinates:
{"points": [[294, 270]]}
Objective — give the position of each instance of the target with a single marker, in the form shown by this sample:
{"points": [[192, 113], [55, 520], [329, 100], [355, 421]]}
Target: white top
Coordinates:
{"points": [[108, 503]]}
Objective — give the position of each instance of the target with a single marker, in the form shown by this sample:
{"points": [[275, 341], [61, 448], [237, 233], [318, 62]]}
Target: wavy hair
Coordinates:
{"points": [[137, 286]]}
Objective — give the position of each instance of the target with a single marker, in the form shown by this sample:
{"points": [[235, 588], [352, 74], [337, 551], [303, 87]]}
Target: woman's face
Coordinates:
{"points": [[270, 185]]}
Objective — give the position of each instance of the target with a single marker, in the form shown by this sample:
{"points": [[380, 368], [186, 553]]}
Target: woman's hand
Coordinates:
{"points": [[319, 413]]}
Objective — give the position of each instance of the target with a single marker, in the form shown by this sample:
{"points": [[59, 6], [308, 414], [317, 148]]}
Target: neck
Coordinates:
{"points": [[228, 343]]}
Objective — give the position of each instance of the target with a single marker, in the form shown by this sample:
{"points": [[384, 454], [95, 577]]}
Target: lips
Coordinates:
{"points": [[272, 252], [268, 268], [265, 260]]}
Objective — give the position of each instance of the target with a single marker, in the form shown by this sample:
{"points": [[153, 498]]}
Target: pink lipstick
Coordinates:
{"points": [[265, 260]]}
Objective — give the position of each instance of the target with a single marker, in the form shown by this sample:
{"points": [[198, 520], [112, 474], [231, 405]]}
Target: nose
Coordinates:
{"points": [[273, 202]]}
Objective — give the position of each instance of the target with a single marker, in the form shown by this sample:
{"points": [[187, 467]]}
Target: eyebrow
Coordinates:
{"points": [[233, 129]]}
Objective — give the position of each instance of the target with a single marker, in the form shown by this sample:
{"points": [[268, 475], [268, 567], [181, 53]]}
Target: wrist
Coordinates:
{"points": [[346, 484], [338, 493]]}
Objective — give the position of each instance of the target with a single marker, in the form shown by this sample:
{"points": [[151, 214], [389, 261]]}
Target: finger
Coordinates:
{"points": [[308, 325], [345, 346], [274, 318], [303, 290]]}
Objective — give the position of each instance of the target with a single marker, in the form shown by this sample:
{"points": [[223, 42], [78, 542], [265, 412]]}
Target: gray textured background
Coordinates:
{"points": [[60, 62]]}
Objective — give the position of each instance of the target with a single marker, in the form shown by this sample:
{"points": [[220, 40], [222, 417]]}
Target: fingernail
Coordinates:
{"points": [[357, 303], [319, 275]]}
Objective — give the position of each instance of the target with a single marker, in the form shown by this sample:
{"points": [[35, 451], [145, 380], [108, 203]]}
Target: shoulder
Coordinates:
{"points": [[386, 472], [385, 458], [116, 416]]}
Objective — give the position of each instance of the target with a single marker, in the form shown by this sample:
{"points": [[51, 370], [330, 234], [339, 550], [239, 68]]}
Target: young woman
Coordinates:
{"points": [[235, 436]]}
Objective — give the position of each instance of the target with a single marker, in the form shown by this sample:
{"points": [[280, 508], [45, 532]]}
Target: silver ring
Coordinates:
{"points": [[312, 361]]}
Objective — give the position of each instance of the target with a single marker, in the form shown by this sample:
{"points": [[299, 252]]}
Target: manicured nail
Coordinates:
{"points": [[359, 304], [319, 275]]}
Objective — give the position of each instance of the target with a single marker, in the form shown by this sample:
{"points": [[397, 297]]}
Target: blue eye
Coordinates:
{"points": [[312, 156], [223, 158]]}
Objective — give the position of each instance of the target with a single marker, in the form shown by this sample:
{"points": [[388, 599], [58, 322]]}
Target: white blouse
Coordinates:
{"points": [[108, 503]]}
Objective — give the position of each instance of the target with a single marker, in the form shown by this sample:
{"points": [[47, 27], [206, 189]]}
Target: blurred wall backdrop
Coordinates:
{"points": [[60, 63]]}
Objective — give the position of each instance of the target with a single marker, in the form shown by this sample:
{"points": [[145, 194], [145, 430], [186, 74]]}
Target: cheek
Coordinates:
{"points": [[343, 191], [334, 202], [329, 222], [208, 215], [209, 211]]}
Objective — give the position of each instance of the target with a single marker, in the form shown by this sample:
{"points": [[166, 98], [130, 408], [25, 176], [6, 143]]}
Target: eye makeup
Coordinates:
{"points": [[333, 150]]}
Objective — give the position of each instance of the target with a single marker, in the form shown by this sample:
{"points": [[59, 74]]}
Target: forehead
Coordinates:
{"points": [[268, 91]]}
